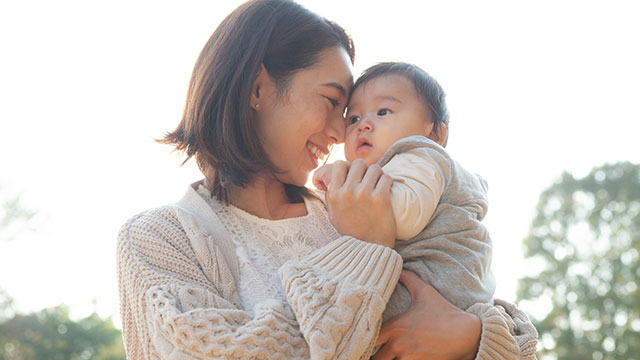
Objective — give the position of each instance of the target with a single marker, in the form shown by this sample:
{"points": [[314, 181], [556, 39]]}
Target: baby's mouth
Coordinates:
{"points": [[363, 144]]}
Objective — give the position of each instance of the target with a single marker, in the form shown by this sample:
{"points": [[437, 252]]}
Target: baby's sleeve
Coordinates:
{"points": [[418, 183]]}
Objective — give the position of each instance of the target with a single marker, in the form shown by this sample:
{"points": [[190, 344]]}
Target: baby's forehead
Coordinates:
{"points": [[384, 85]]}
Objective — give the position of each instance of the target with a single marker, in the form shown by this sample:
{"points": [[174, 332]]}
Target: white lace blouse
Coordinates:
{"points": [[263, 246]]}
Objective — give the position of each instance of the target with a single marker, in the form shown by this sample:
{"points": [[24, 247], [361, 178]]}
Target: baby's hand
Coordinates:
{"points": [[322, 177]]}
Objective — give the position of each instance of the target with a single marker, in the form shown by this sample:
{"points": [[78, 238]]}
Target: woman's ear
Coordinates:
{"points": [[259, 88], [439, 134]]}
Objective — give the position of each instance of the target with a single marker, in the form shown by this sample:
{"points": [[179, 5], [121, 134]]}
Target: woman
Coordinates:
{"points": [[247, 264]]}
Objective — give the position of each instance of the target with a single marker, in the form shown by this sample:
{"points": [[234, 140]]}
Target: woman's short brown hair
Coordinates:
{"points": [[217, 126]]}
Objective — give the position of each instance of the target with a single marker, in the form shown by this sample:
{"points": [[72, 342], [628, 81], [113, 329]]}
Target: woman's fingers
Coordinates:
{"points": [[339, 171], [424, 294], [411, 281], [386, 331], [356, 173], [357, 207], [371, 178], [383, 187], [432, 328], [385, 353]]}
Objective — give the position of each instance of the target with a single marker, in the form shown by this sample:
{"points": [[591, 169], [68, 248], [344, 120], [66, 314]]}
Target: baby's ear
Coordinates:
{"points": [[439, 134]]}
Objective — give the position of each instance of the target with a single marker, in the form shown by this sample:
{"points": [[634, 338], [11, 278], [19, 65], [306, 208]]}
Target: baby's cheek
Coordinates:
{"points": [[349, 153]]}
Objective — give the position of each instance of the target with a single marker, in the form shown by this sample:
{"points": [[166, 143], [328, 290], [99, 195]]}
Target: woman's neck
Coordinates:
{"points": [[266, 198]]}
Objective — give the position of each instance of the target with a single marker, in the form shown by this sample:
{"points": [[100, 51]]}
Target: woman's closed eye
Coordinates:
{"points": [[383, 112], [334, 102]]}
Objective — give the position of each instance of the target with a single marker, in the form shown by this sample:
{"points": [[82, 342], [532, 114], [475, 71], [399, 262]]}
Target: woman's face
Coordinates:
{"points": [[297, 128]]}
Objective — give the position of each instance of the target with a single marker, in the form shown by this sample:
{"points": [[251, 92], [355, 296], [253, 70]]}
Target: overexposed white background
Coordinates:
{"points": [[534, 89]]}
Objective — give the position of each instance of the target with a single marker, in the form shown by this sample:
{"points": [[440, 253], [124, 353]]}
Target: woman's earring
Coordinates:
{"points": [[257, 106]]}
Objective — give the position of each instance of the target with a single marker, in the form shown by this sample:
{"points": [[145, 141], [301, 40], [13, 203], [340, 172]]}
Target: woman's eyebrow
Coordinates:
{"points": [[336, 85]]}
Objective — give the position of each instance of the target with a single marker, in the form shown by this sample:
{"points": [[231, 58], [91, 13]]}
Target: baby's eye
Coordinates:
{"points": [[353, 120], [383, 112]]}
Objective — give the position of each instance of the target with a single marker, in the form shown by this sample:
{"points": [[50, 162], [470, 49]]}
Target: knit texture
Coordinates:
{"points": [[263, 246], [179, 298], [507, 332]]}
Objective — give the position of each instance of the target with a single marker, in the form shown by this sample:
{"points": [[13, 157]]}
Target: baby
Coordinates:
{"points": [[397, 117]]}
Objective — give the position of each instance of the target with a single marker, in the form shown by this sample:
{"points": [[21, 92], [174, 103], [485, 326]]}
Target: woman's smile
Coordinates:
{"points": [[316, 153]]}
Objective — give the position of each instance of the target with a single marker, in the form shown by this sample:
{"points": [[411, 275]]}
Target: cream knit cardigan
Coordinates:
{"points": [[177, 274]]}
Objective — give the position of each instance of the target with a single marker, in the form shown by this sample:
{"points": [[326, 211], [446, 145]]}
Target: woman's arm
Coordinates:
{"points": [[174, 306], [435, 329], [338, 294], [358, 205]]}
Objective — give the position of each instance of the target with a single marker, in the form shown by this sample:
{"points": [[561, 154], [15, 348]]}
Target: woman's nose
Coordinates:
{"points": [[336, 129]]}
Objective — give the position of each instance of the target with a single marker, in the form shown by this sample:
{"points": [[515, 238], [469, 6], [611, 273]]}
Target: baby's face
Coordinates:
{"points": [[381, 112]]}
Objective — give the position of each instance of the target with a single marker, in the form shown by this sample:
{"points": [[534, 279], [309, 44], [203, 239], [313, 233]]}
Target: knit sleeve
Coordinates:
{"points": [[507, 332], [174, 307], [338, 294]]}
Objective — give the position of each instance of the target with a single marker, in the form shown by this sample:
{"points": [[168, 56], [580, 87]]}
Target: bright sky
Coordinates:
{"points": [[534, 89]]}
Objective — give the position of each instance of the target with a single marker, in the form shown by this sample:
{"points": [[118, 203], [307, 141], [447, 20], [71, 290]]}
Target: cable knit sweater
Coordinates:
{"points": [[178, 274]]}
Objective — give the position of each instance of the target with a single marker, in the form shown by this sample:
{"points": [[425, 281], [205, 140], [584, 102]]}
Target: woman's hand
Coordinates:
{"points": [[432, 328], [358, 201]]}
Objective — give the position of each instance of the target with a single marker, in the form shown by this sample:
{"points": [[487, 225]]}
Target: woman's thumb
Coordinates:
{"points": [[411, 281]]}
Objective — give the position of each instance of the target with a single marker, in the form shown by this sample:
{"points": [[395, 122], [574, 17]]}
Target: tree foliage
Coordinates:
{"points": [[585, 240], [14, 218], [51, 334]]}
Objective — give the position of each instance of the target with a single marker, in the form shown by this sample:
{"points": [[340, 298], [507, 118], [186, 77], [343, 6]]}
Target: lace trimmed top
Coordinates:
{"points": [[263, 246], [179, 297]]}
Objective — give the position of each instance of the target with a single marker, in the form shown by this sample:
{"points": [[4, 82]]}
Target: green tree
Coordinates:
{"points": [[585, 240], [51, 334], [14, 218]]}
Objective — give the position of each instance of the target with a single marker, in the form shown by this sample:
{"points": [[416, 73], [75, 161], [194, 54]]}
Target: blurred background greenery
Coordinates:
{"points": [[582, 291], [584, 244], [49, 333]]}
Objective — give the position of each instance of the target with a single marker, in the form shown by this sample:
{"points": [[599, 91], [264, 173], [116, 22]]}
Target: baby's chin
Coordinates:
{"points": [[370, 160]]}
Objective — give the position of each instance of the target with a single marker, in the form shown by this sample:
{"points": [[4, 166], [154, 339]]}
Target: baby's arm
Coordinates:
{"points": [[417, 187], [416, 190], [454, 252]]}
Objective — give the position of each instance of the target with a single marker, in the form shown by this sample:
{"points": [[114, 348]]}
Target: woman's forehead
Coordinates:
{"points": [[333, 69]]}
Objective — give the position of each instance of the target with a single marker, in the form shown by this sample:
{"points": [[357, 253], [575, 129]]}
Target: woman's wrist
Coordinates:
{"points": [[472, 330]]}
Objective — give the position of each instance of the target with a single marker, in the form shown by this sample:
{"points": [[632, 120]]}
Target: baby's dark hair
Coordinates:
{"points": [[425, 86]]}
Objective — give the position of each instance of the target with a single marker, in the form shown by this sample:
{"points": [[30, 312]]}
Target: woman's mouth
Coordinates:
{"points": [[317, 153]]}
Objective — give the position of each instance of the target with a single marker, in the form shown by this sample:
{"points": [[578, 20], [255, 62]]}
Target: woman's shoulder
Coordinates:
{"points": [[155, 225], [164, 219], [152, 218]]}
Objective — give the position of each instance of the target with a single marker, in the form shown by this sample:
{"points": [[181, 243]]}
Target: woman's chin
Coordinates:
{"points": [[294, 179]]}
